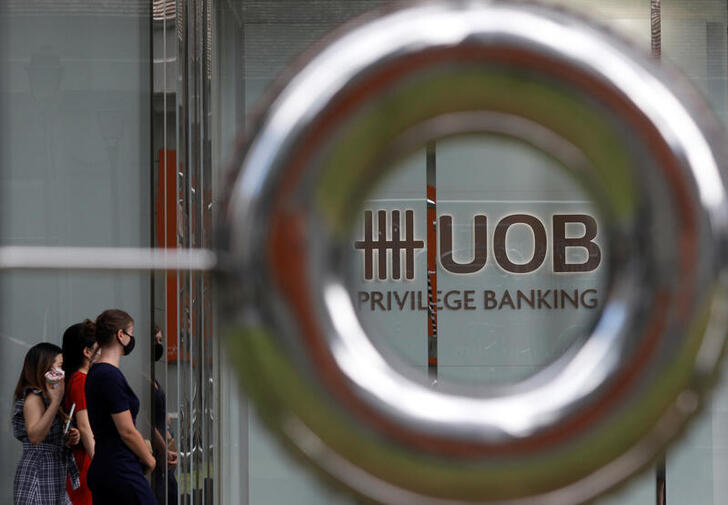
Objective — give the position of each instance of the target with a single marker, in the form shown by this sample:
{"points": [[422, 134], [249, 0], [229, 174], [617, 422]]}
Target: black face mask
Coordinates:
{"points": [[129, 346], [158, 351]]}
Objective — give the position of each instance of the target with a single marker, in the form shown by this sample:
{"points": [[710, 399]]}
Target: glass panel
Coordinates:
{"points": [[227, 120], [74, 170], [167, 435], [522, 323], [192, 291], [491, 327], [275, 32], [31, 313], [75, 142], [693, 37], [393, 307]]}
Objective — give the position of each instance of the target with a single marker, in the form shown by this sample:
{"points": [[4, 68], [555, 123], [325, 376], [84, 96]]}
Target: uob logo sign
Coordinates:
{"points": [[389, 254]]}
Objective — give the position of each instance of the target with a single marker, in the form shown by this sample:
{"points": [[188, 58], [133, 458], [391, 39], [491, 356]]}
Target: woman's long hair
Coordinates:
{"points": [[38, 361], [76, 338]]}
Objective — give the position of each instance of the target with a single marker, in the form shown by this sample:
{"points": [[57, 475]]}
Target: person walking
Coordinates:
{"points": [[121, 457], [79, 350], [40, 478]]}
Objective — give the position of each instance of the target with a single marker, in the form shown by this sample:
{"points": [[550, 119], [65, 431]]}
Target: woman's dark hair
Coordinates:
{"points": [[109, 322], [155, 329], [38, 361], [76, 338]]}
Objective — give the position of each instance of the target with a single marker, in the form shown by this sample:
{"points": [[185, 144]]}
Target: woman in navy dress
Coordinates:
{"points": [[121, 457], [37, 422]]}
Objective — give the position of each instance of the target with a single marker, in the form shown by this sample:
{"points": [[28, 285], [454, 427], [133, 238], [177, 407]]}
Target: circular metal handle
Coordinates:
{"points": [[631, 131]]}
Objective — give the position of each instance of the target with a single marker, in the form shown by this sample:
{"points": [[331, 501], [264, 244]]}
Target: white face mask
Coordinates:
{"points": [[54, 376]]}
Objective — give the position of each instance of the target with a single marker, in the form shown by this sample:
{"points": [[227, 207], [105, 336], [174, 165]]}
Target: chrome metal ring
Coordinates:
{"points": [[630, 130]]}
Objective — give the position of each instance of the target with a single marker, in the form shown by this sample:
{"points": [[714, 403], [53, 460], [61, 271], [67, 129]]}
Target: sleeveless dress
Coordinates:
{"points": [[75, 394], [41, 475], [116, 476]]}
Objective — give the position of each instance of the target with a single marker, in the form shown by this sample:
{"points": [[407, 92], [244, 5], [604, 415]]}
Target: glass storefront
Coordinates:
{"points": [[119, 121], [76, 140]]}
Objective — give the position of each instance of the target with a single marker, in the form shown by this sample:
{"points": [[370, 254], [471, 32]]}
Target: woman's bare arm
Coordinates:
{"points": [[87, 436], [133, 439], [38, 418]]}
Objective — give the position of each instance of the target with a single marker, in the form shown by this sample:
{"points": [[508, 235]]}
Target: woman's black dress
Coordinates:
{"points": [[116, 475]]}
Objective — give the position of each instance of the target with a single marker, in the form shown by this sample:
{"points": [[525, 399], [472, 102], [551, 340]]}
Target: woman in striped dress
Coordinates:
{"points": [[38, 423]]}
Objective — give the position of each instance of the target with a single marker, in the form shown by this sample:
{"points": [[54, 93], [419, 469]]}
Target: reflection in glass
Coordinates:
{"points": [[183, 204]]}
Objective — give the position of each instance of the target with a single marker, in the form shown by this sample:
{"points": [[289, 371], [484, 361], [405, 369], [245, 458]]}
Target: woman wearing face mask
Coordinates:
{"points": [[79, 350], [165, 482], [38, 422], [121, 456]]}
